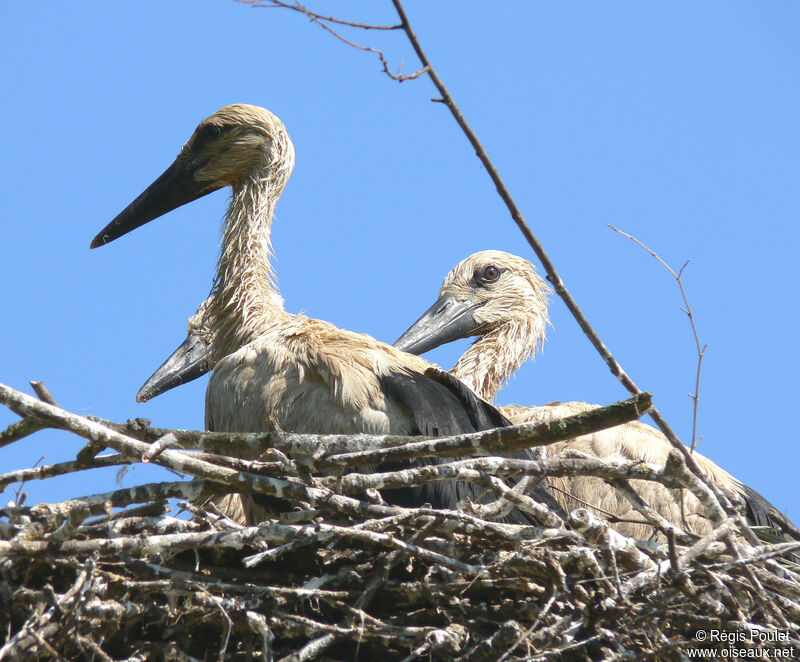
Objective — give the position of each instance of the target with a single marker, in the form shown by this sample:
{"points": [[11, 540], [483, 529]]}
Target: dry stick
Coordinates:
{"points": [[43, 392], [27, 426], [331, 19], [522, 501], [94, 648], [688, 310], [185, 579], [654, 518], [152, 508], [319, 537], [223, 648], [314, 648], [331, 451], [61, 468], [500, 507], [499, 440], [481, 443], [99, 504], [275, 533], [24, 404], [321, 20], [258, 623], [673, 474], [19, 430]]}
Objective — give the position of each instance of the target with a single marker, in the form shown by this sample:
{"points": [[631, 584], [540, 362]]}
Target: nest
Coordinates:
{"points": [[343, 576]]}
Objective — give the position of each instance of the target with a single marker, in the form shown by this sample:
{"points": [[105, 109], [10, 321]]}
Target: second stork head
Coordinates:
{"points": [[488, 292], [193, 358]]}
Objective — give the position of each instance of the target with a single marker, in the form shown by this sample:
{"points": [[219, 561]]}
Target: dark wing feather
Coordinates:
{"points": [[757, 508], [483, 415], [440, 405], [760, 513]]}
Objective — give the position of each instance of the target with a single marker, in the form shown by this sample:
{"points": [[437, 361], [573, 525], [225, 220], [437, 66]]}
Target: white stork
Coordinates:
{"points": [[500, 298]]}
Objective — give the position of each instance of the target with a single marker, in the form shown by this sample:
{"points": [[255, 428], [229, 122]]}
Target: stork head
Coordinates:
{"points": [[193, 358], [486, 292], [234, 144]]}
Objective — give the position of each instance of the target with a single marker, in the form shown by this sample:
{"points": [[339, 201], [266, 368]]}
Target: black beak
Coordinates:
{"points": [[192, 359], [447, 320], [175, 187]]}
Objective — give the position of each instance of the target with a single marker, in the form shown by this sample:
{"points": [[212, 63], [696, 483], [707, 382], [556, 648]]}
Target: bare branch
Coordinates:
{"points": [[323, 22], [59, 469], [701, 349], [269, 4]]}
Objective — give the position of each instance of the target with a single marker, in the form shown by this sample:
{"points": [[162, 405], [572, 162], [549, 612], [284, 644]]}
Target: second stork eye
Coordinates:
{"points": [[490, 274]]}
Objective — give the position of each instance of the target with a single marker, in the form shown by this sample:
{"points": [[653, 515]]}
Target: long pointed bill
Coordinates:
{"points": [[192, 359], [175, 187], [446, 320]]}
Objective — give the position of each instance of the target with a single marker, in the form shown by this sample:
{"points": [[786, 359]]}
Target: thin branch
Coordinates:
{"points": [[327, 452], [499, 440], [27, 426], [272, 4], [61, 468], [323, 21], [43, 393], [701, 349]]}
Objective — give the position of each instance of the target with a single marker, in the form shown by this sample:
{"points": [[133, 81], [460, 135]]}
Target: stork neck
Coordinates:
{"points": [[246, 297], [495, 356]]}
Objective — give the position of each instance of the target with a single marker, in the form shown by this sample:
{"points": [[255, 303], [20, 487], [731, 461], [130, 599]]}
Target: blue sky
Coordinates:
{"points": [[676, 122]]}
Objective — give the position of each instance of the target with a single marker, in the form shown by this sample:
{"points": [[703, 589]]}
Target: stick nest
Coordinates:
{"points": [[342, 576]]}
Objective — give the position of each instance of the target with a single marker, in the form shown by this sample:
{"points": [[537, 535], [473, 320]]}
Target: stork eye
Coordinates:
{"points": [[207, 133], [490, 274]]}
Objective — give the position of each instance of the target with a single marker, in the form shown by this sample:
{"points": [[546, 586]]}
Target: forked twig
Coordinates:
{"points": [[323, 21], [701, 349]]}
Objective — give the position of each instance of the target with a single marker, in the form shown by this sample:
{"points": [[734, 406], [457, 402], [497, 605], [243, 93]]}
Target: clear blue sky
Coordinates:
{"points": [[677, 122]]}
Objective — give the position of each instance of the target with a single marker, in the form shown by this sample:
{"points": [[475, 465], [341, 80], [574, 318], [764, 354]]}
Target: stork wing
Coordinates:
{"points": [[440, 406], [761, 513]]}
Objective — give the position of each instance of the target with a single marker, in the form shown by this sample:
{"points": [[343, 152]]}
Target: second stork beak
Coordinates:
{"points": [[446, 320], [175, 187], [192, 359]]}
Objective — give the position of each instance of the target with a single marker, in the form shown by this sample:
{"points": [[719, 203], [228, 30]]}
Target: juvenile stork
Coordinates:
{"points": [[278, 371], [500, 298]]}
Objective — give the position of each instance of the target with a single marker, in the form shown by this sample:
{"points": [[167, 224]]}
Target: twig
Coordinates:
{"points": [[701, 350], [326, 452], [61, 468], [500, 440], [323, 21], [43, 393], [27, 426], [270, 4]]}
